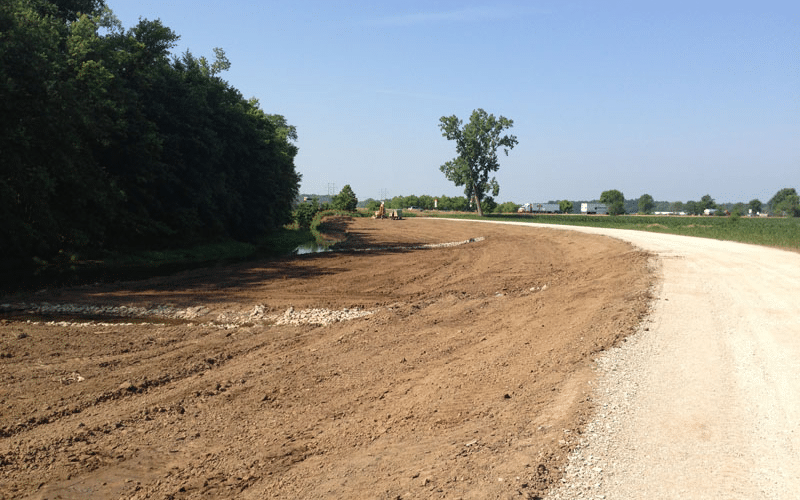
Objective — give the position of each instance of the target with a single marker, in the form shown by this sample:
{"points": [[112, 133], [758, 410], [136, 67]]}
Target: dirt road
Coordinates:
{"points": [[706, 402], [401, 369]]}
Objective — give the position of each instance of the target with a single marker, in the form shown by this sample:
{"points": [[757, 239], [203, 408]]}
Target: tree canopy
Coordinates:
{"points": [[346, 199], [646, 204], [786, 201], [614, 200], [707, 203], [477, 143], [108, 141]]}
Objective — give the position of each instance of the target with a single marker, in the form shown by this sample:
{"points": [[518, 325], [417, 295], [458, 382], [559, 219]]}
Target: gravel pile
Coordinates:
{"points": [[318, 316], [224, 320]]}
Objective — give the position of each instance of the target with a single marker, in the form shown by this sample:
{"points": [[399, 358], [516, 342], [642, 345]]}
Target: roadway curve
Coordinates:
{"points": [[704, 402]]}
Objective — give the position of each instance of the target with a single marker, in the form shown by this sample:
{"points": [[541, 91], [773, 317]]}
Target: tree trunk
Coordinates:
{"points": [[478, 204]]}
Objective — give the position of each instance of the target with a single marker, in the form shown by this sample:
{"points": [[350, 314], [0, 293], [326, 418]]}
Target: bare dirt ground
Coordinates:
{"points": [[703, 402], [452, 372]]}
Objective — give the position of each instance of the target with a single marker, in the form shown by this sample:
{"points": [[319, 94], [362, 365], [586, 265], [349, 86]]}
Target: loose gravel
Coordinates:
{"points": [[257, 315]]}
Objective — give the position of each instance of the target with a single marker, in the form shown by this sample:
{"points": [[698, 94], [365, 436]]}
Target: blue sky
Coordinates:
{"points": [[675, 99]]}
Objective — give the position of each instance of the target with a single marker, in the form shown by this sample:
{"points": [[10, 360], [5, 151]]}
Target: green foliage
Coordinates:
{"points": [[305, 212], [477, 143], [346, 200], [755, 205], [772, 231], [317, 224], [507, 207], [107, 143], [786, 202], [706, 203], [489, 205], [646, 204], [456, 203], [693, 208], [565, 206], [425, 202], [614, 200]]}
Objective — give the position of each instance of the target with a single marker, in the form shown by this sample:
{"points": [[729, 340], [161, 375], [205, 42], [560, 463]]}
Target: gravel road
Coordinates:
{"points": [[703, 402]]}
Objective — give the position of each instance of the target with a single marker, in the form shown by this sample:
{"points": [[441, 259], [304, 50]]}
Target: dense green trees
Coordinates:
{"points": [[707, 203], [346, 199], [477, 143], [786, 202], [565, 206], [646, 204], [614, 200], [507, 207], [693, 208], [305, 212], [426, 202], [107, 141]]}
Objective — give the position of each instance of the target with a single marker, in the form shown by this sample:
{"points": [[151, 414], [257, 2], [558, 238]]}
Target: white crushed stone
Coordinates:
{"points": [[225, 320]]}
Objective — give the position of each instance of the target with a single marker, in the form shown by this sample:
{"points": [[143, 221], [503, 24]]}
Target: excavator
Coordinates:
{"points": [[394, 213]]}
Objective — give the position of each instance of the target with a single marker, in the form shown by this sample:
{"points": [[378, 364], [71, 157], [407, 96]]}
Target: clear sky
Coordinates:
{"points": [[674, 98]]}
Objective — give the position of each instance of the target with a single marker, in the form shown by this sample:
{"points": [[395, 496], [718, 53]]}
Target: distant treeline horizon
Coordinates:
{"points": [[460, 203]]}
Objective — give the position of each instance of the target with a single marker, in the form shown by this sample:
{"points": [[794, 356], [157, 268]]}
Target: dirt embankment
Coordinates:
{"points": [[463, 372]]}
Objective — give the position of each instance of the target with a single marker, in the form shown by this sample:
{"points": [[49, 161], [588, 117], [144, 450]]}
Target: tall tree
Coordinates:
{"points": [[346, 199], [755, 205], [646, 204], [614, 200], [707, 203], [565, 206], [786, 201], [677, 207], [477, 143]]}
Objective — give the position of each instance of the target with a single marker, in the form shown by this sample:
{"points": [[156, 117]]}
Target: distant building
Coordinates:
{"points": [[594, 208], [541, 208]]}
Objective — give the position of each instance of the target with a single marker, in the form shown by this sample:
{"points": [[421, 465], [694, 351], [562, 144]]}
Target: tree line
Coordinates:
{"points": [[108, 141], [785, 202]]}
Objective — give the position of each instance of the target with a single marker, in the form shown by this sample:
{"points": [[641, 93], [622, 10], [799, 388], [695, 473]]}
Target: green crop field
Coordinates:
{"points": [[772, 231]]}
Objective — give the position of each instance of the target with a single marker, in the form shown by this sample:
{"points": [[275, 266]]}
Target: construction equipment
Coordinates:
{"points": [[393, 213], [380, 214]]}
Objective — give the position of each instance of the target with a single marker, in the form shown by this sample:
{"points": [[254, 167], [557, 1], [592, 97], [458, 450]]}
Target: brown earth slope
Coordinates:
{"points": [[464, 372]]}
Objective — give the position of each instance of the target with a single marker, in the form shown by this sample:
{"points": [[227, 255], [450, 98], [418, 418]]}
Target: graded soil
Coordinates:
{"points": [[395, 368]]}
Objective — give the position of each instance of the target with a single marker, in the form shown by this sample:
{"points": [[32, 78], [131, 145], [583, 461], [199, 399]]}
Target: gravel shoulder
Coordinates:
{"points": [[704, 401]]}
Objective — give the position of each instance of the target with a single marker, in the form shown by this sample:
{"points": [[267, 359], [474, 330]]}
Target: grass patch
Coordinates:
{"points": [[783, 232], [142, 264]]}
